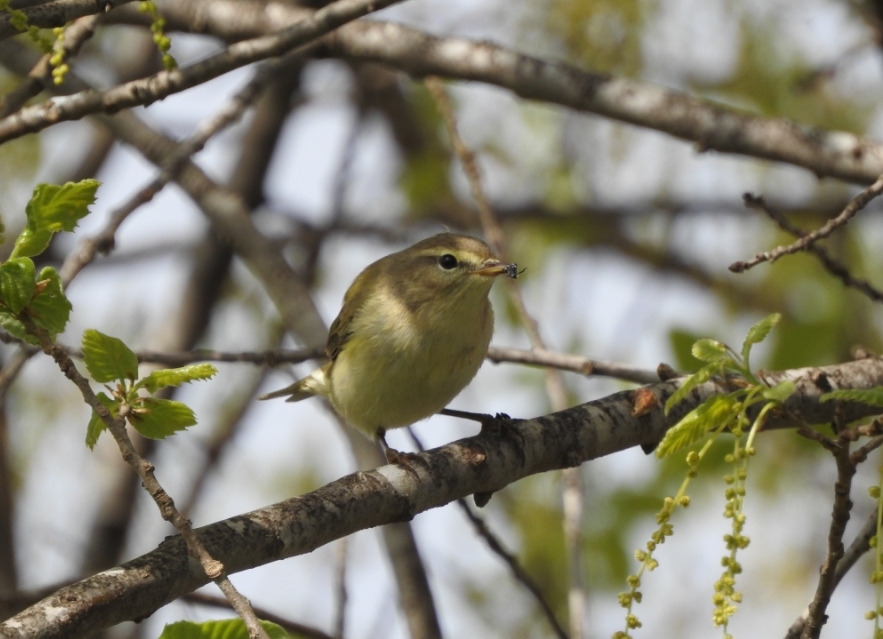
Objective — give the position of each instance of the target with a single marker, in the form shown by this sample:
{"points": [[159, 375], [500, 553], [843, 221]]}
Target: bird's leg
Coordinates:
{"points": [[394, 456], [489, 423]]}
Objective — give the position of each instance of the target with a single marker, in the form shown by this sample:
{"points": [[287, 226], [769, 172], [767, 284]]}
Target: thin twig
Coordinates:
{"points": [[572, 363], [839, 518], [517, 569], [213, 568], [834, 267], [493, 231], [496, 546], [805, 430], [272, 358], [226, 116], [341, 560], [859, 546], [855, 205], [816, 614]]}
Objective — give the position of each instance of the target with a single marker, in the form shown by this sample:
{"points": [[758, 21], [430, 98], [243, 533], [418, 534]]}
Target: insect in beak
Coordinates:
{"points": [[492, 269]]}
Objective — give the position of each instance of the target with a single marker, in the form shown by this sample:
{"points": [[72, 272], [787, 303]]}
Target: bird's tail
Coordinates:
{"points": [[316, 383]]}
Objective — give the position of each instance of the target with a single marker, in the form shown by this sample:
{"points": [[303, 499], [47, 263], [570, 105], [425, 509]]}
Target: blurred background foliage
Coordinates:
{"points": [[626, 236]]}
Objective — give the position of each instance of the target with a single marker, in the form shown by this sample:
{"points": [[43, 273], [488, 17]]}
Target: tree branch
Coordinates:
{"points": [[57, 14], [485, 463], [709, 125], [148, 90], [808, 240]]}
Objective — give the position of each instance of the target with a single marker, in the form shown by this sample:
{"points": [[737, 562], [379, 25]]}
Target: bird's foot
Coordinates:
{"points": [[398, 457], [490, 424]]}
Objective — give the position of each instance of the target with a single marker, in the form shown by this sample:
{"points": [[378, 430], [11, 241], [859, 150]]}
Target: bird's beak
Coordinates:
{"points": [[493, 268]]}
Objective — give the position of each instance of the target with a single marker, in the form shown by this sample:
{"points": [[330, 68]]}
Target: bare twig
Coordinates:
{"points": [[517, 569], [573, 363], [855, 205], [859, 546], [831, 265], [340, 616], [497, 547], [839, 518], [493, 231]]}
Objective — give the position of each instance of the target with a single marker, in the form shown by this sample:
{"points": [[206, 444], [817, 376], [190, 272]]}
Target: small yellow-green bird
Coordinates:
{"points": [[413, 331]]}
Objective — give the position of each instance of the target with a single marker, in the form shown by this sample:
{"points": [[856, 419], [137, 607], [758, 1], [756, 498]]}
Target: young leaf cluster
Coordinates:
{"points": [[109, 360], [725, 410], [158, 28], [717, 414], [28, 297]]}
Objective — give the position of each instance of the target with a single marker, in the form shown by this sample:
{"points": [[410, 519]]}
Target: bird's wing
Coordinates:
{"points": [[341, 327]]}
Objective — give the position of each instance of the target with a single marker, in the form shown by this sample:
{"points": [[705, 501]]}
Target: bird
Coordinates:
{"points": [[413, 331]]}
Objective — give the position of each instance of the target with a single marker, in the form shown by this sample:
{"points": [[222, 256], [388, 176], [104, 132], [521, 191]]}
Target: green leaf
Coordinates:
{"points": [[226, 629], [158, 418], [96, 424], [12, 325], [50, 309], [712, 413], [53, 208], [176, 376], [870, 396], [780, 392], [31, 242], [758, 333], [17, 279], [108, 358], [709, 350], [699, 377]]}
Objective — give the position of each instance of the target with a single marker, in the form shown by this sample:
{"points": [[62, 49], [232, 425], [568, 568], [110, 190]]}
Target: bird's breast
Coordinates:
{"points": [[402, 365]]}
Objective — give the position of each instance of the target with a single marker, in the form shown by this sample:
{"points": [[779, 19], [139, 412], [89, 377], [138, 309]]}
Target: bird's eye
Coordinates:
{"points": [[447, 261]]}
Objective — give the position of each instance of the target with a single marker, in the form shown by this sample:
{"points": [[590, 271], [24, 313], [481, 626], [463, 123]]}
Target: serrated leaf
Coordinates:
{"points": [[699, 377], [759, 332], [870, 396], [53, 208], [780, 392], [59, 208], [17, 279], [709, 350], [108, 358], [712, 413], [176, 376], [225, 629], [158, 418], [96, 424], [12, 325]]}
